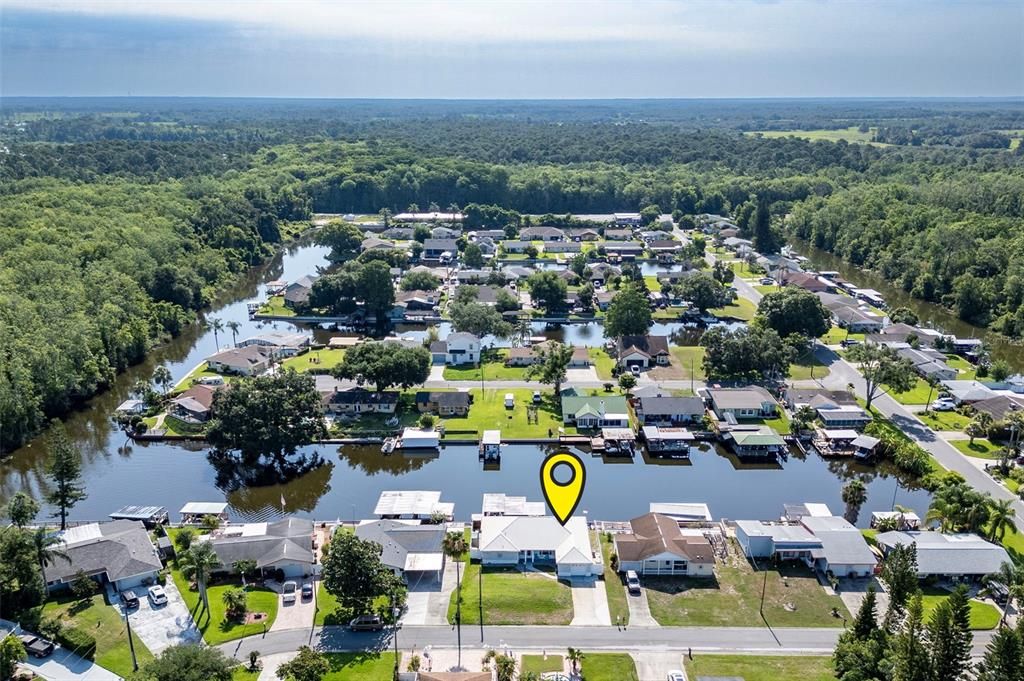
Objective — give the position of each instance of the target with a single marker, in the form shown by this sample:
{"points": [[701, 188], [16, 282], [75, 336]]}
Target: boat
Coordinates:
{"points": [[388, 445]]}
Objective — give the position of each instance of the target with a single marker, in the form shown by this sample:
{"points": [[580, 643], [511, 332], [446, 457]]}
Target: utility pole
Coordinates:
{"points": [[764, 587], [131, 642]]}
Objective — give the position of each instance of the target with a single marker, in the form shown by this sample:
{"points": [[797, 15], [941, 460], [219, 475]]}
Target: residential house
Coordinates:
{"points": [[603, 299], [999, 407], [608, 411], [627, 219], [443, 403], [541, 234], [968, 392], [487, 233], [754, 441], [376, 244], [445, 233], [528, 355], [488, 246], [283, 343], [285, 545], [928, 363], [737, 244], [623, 248], [360, 401], [835, 408], [488, 295], [584, 234], [676, 277], [959, 557], [642, 351], [855, 320], [473, 276], [676, 411], [570, 277], [412, 304], [570, 247], [296, 294], [435, 249], [399, 233], [600, 272], [411, 551], [515, 246], [422, 505], [751, 402], [194, 405], [664, 246], [247, 361], [119, 553], [806, 281], [458, 348], [530, 541], [618, 234], [828, 544], [656, 546]]}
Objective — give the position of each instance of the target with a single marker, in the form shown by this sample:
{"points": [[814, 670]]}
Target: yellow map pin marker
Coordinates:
{"points": [[563, 497]]}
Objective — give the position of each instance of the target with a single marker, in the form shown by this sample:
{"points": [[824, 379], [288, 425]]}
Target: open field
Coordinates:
{"points": [[488, 412], [512, 597], [320, 360], [537, 664], [603, 363], [944, 420], [761, 668], [102, 621], [690, 356], [200, 371], [838, 334], [494, 369], [274, 307], [851, 134], [741, 309], [807, 367], [917, 394]]}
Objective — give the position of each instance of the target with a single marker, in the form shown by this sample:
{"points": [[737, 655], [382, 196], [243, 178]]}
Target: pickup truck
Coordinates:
{"points": [[36, 646]]}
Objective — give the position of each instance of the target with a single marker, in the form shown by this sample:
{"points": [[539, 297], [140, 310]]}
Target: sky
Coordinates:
{"points": [[512, 49]]}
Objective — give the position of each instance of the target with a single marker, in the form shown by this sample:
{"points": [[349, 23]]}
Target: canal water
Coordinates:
{"points": [[118, 472]]}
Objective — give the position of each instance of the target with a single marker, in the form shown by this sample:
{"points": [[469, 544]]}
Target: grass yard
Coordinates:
{"points": [[488, 412], [512, 597], [765, 289], [242, 673], [103, 622], [362, 666], [917, 394], [687, 356], [838, 334], [732, 598], [275, 307], [537, 664], [945, 420], [741, 309], [652, 283], [983, 615], [615, 588], [603, 363], [200, 371], [494, 369], [780, 423], [808, 367], [981, 448], [609, 667], [1013, 541], [761, 668], [322, 360], [175, 426], [213, 625], [851, 134], [965, 370]]}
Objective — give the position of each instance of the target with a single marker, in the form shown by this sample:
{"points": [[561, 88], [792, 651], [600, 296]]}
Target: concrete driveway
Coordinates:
{"points": [[639, 610], [161, 626], [589, 604], [655, 666], [428, 596], [297, 615], [582, 375], [66, 666]]}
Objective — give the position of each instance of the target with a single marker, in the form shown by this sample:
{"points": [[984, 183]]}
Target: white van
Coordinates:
{"points": [[510, 400]]}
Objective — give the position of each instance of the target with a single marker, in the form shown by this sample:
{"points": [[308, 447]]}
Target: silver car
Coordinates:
{"points": [[288, 590]]}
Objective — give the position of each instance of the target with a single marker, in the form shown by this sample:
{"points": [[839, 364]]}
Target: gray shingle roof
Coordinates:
{"points": [[290, 539], [121, 548], [398, 539]]}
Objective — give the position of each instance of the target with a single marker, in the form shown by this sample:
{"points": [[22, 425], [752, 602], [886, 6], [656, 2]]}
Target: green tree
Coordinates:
{"points": [[627, 382], [11, 653], [48, 550], [551, 365], [479, 319], [354, 574], [854, 495], [703, 292], [866, 621], [578, 264], [746, 353], [217, 325], [765, 241], [908, 653], [420, 233], [385, 364], [585, 296], [881, 366], [903, 315], [162, 377], [236, 603], [899, 573], [794, 311], [21, 509], [420, 281], [548, 291], [1000, 519], [629, 313], [1011, 578], [723, 273], [82, 586], [343, 238], [376, 291], [65, 472], [233, 326], [197, 564], [949, 632], [454, 547], [188, 662], [1004, 657], [183, 538], [472, 256], [999, 370], [575, 657], [267, 415]]}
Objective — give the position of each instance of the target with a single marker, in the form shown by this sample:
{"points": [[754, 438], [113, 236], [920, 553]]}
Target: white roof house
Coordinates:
{"points": [[529, 540], [685, 512], [949, 555], [412, 504]]}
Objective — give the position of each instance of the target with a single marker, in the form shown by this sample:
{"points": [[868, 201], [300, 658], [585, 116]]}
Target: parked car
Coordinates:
{"points": [[288, 590], [367, 623], [307, 590], [943, 404], [634, 369], [129, 599], [765, 281], [510, 400], [676, 675], [157, 595], [536, 397], [632, 582], [849, 342], [36, 646]]}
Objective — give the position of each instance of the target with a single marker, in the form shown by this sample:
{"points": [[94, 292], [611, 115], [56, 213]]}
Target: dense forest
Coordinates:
{"points": [[119, 219]]}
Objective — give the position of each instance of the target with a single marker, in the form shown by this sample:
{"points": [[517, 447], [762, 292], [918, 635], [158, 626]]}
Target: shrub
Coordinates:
{"points": [[183, 540], [83, 587], [77, 641], [427, 421]]}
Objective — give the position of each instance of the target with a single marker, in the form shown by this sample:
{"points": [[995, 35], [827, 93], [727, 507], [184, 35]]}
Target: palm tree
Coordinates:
{"points": [[1011, 578], [1000, 518], [854, 496], [979, 425], [941, 512], [803, 418], [47, 546], [162, 377], [234, 326], [236, 603], [217, 325], [575, 656], [932, 384], [197, 563], [454, 546]]}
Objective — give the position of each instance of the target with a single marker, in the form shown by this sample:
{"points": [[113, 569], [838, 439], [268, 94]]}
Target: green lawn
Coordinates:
{"points": [[780, 423], [322, 360], [609, 667], [494, 369], [983, 615], [917, 394], [363, 666], [690, 356], [274, 307], [741, 309], [652, 283], [966, 370], [945, 420], [213, 624], [618, 607], [603, 363], [808, 367], [200, 371], [537, 664], [761, 668], [103, 622], [732, 598], [512, 597], [175, 426], [837, 335], [765, 289], [981, 448], [488, 412]]}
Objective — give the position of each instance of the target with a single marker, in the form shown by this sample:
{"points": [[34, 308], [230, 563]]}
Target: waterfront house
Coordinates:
{"points": [[627, 219], [607, 411], [656, 546], [496, 503], [562, 247], [248, 361], [541, 234], [375, 244], [676, 276], [618, 234], [601, 272], [285, 545], [281, 343], [412, 304], [668, 410], [488, 295], [445, 233], [434, 249], [515, 246], [194, 405], [958, 557], [828, 544], [835, 408], [584, 234], [662, 439], [411, 551], [360, 401], [296, 294], [443, 403], [754, 441], [458, 348], [806, 281], [131, 407], [855, 320], [603, 299], [530, 541], [642, 351], [661, 246], [751, 402], [119, 553], [928, 363], [422, 505], [623, 248], [528, 355]]}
